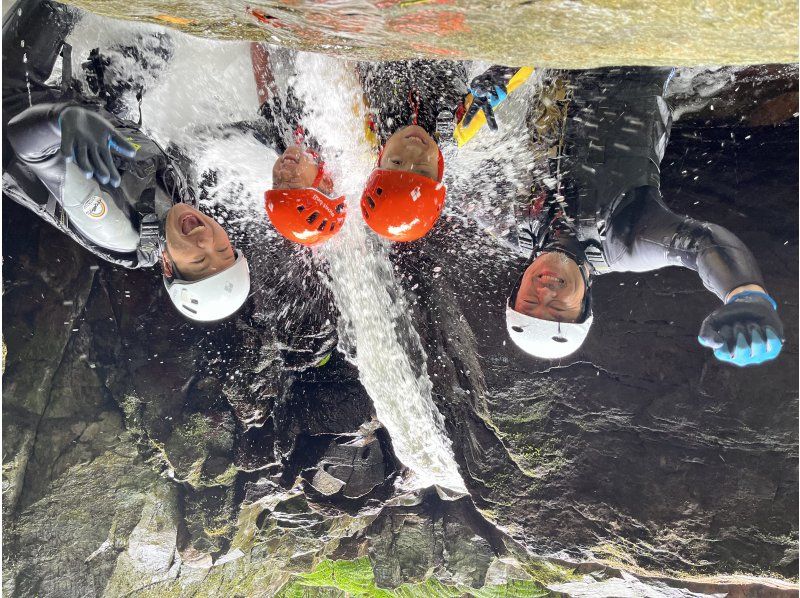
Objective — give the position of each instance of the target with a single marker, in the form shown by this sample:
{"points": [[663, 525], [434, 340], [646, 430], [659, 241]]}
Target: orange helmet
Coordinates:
{"points": [[401, 205], [305, 216]]}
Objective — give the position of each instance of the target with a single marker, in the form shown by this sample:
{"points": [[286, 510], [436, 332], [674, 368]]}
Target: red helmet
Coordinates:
{"points": [[401, 205], [305, 216]]}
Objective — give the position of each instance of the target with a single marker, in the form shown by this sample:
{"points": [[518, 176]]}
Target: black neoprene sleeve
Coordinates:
{"points": [[647, 235]]}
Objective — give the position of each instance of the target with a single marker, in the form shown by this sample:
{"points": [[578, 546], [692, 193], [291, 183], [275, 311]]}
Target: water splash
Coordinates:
{"points": [[375, 328]]}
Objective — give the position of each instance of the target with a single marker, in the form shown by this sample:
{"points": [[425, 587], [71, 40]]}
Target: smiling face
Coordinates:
{"points": [[297, 169], [413, 150], [197, 245], [552, 288]]}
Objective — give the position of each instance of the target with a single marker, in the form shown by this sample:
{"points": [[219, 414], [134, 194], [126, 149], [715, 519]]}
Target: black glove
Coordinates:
{"points": [[488, 90], [744, 331], [88, 139]]}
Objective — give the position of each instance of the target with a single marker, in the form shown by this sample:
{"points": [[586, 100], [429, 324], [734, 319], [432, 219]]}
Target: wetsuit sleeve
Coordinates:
{"points": [[646, 235]]}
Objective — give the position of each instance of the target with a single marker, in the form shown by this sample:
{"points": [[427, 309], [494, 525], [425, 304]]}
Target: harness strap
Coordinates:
{"points": [[589, 232]]}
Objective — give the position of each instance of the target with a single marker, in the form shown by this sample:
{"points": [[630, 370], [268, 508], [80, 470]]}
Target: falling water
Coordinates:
{"points": [[374, 325]]}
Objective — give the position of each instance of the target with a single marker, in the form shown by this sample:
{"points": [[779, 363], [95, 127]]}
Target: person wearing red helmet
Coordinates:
{"points": [[413, 108], [301, 204]]}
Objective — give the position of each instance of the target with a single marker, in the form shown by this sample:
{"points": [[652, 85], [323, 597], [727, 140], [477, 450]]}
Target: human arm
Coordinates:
{"points": [[39, 132], [646, 235], [262, 72]]}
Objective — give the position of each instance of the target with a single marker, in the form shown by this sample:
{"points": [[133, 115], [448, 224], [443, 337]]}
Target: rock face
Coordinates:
{"points": [[546, 33], [144, 456], [641, 447]]}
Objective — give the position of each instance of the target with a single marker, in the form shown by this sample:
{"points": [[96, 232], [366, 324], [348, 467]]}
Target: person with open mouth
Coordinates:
{"points": [[100, 179]]}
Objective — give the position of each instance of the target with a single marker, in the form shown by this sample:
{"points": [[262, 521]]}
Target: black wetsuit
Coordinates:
{"points": [[394, 90], [34, 170], [617, 131]]}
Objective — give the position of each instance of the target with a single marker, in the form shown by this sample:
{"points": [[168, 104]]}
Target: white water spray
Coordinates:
{"points": [[374, 315]]}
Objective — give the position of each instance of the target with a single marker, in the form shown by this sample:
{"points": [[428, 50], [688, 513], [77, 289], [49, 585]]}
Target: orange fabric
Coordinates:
{"points": [[305, 216], [400, 205]]}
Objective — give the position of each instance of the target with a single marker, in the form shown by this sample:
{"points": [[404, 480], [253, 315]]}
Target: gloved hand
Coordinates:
{"points": [[88, 139], [744, 331], [488, 90]]}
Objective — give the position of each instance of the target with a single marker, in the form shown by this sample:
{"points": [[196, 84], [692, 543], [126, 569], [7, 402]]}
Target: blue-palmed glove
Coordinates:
{"points": [[88, 139], [488, 90], [744, 331]]}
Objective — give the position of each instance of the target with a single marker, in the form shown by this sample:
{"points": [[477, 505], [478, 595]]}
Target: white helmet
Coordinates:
{"points": [[544, 338], [212, 298]]}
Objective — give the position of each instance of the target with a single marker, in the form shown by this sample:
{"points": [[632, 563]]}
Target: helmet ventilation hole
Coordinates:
{"points": [[379, 191], [313, 218], [371, 202], [559, 339], [301, 208], [516, 328], [322, 225], [333, 226], [339, 208]]}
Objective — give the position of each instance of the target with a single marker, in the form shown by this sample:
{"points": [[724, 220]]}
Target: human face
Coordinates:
{"points": [[411, 149], [552, 288], [295, 169], [197, 245]]}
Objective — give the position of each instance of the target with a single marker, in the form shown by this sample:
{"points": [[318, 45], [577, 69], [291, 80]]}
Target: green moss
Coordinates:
{"points": [[196, 430], [547, 573], [132, 407], [543, 460], [356, 579], [226, 478]]}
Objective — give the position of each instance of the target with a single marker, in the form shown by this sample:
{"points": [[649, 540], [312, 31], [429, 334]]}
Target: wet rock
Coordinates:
{"points": [[199, 449], [209, 517], [353, 467], [46, 284], [466, 555], [619, 455], [327, 400], [403, 549], [407, 545], [755, 95], [151, 554], [504, 569], [67, 543]]}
